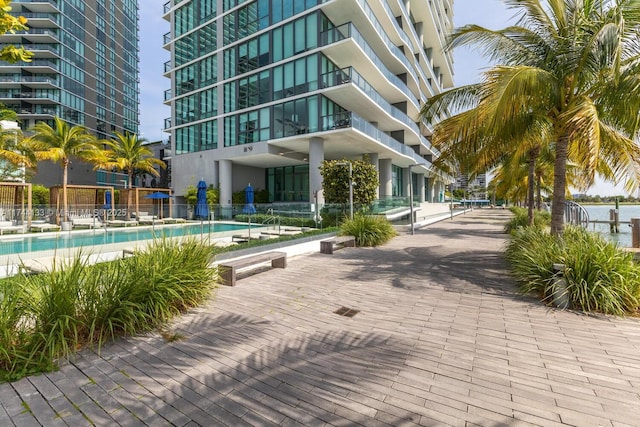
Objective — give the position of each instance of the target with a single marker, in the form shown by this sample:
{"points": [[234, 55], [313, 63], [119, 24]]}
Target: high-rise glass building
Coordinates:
{"points": [[85, 68], [263, 91]]}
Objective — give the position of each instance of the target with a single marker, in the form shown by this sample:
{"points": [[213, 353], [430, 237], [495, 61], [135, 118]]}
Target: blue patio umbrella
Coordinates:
{"points": [[108, 204], [202, 208], [248, 208], [158, 195]]}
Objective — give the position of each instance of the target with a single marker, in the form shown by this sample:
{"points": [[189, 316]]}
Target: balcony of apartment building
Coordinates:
{"points": [[352, 91], [20, 7], [50, 19], [359, 22], [36, 66], [33, 36], [43, 50], [346, 46], [19, 81]]}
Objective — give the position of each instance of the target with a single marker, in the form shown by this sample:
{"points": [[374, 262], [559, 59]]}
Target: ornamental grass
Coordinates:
{"points": [[600, 277], [47, 317]]}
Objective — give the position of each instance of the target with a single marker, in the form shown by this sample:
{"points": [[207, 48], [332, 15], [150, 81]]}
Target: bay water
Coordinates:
{"points": [[601, 213]]}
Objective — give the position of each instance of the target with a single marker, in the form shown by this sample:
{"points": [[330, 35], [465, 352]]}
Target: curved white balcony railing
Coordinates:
{"points": [[349, 31]]}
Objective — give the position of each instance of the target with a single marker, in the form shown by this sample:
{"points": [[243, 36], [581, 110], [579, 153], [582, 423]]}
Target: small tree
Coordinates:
{"points": [[11, 24], [335, 181]]}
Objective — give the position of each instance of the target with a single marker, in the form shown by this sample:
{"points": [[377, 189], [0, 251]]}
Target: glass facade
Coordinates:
{"points": [[275, 72]]}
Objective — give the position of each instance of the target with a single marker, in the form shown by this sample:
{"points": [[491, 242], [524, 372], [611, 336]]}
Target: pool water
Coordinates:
{"points": [[97, 237]]}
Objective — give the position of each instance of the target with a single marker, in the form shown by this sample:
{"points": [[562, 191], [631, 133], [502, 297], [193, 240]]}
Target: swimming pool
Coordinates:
{"points": [[63, 240]]}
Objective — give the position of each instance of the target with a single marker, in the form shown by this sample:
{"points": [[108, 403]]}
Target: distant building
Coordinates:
{"points": [[476, 188], [85, 71]]}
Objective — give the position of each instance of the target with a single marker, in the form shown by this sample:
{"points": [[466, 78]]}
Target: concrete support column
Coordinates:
{"points": [[373, 159], [316, 157], [421, 187], [386, 176], [226, 187], [431, 189], [214, 174]]}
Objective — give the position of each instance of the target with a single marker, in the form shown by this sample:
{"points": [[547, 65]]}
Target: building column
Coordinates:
{"points": [[386, 176], [431, 191], [373, 159], [421, 188], [226, 187], [316, 157]]}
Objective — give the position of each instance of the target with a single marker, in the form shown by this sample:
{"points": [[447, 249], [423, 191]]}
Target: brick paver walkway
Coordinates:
{"points": [[440, 338]]}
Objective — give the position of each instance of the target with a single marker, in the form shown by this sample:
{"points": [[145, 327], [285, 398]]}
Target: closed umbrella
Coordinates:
{"points": [[108, 204], [108, 200], [202, 208], [248, 207]]}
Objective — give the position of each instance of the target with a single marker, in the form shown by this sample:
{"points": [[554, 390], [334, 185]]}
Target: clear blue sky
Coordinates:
{"points": [[468, 64]]}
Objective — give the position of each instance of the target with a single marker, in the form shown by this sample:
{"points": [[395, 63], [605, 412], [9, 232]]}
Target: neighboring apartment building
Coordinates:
{"points": [[85, 71], [263, 91], [476, 188]]}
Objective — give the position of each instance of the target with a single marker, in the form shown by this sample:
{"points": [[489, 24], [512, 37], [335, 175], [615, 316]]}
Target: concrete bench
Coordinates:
{"points": [[228, 269], [327, 246]]}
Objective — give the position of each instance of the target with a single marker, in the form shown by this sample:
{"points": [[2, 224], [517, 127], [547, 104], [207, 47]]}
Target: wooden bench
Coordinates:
{"points": [[228, 269], [327, 246]]}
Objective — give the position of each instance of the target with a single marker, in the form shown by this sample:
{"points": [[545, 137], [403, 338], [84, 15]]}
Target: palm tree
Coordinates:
{"points": [[569, 74], [59, 144], [128, 153]]}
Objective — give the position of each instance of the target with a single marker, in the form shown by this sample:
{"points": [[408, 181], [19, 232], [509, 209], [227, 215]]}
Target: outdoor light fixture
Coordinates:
{"points": [[350, 186], [411, 196]]}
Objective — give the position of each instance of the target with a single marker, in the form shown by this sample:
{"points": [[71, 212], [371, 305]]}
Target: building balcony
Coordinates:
{"points": [[41, 6], [37, 111], [366, 61], [167, 66], [40, 20], [168, 94], [28, 81], [41, 51], [371, 105], [29, 97]]}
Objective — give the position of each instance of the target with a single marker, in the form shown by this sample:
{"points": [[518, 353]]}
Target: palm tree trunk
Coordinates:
{"points": [[533, 155], [129, 196], [559, 186], [539, 192], [65, 205]]}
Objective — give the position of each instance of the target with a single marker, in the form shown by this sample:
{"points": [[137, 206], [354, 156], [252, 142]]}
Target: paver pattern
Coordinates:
{"points": [[441, 338]]}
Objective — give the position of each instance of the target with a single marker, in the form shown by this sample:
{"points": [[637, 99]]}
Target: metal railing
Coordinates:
{"points": [[575, 214]]}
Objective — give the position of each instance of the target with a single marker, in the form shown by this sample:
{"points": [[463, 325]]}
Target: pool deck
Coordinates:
{"points": [[439, 337]]}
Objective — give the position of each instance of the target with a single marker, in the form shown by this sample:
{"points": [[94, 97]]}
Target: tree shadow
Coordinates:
{"points": [[232, 369]]}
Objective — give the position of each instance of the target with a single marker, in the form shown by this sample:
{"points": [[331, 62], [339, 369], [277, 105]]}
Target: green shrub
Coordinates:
{"points": [[600, 277], [541, 219], [45, 317], [369, 230]]}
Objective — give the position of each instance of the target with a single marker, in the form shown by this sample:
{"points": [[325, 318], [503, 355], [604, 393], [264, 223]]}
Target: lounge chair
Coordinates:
{"points": [[9, 227], [150, 219], [85, 222], [174, 220], [121, 223], [45, 227]]}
